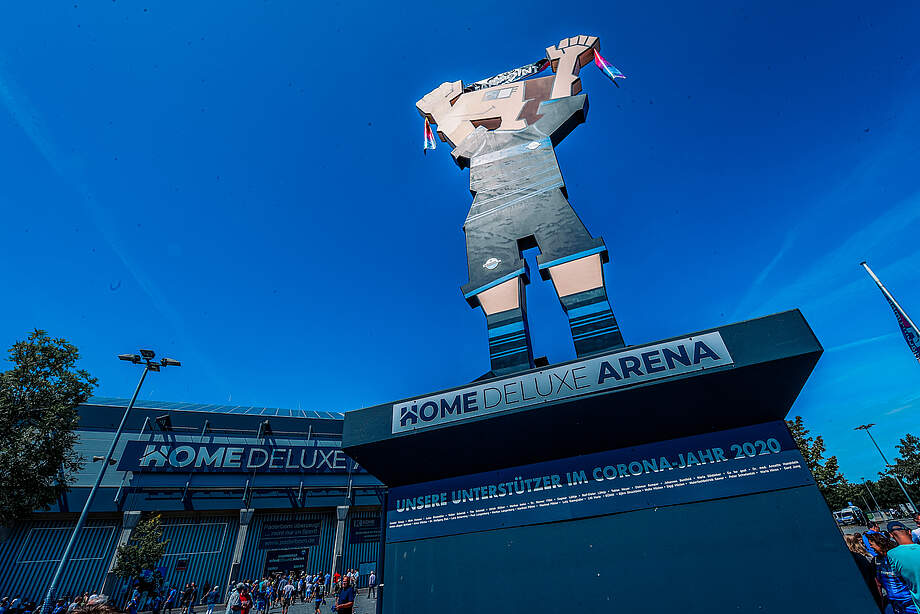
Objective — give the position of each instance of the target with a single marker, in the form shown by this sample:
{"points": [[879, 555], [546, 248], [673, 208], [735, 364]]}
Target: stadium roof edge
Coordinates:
{"points": [[218, 409]]}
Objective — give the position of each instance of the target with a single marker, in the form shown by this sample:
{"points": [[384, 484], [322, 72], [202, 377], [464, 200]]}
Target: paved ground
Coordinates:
{"points": [[363, 605]]}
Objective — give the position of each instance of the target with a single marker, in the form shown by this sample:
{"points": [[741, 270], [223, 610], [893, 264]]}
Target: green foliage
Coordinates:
{"points": [[907, 465], [887, 492], [38, 400], [143, 551], [837, 491]]}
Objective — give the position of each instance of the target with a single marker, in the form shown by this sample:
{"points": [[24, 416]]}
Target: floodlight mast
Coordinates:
{"points": [[146, 356], [888, 466]]}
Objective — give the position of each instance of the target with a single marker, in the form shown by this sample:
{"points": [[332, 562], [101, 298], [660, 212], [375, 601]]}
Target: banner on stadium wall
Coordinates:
{"points": [[285, 560], [289, 533], [229, 458], [364, 530], [711, 466]]}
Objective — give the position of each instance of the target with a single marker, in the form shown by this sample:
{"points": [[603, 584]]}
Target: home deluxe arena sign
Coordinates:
{"points": [[622, 369], [231, 458]]}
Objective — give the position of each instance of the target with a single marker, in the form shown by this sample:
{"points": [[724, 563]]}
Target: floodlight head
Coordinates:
{"points": [[153, 366], [148, 354], [169, 362], [133, 358]]}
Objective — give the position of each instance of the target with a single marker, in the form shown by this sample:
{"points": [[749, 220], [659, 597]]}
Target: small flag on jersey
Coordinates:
{"points": [[608, 69], [911, 335], [430, 143]]}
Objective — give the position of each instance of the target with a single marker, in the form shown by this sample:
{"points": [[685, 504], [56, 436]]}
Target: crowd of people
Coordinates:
{"points": [[889, 561], [174, 598], [18, 605], [337, 592]]}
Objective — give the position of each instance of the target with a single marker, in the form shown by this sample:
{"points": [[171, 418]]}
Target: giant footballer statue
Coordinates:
{"points": [[504, 129]]}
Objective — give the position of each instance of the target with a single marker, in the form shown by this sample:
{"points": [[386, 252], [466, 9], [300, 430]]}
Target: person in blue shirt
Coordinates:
{"points": [[905, 559], [211, 599], [170, 602], [131, 608], [346, 601], [897, 589], [59, 608], [871, 527]]}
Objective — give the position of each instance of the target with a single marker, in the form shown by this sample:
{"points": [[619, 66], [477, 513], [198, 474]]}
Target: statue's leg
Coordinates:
{"points": [[573, 260], [580, 286], [498, 276], [506, 318]]}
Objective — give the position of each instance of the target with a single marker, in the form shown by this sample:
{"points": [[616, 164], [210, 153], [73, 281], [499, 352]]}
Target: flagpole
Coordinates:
{"points": [[890, 298]]}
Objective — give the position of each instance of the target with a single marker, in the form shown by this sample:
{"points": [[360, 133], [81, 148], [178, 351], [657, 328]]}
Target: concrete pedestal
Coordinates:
{"points": [[657, 478]]}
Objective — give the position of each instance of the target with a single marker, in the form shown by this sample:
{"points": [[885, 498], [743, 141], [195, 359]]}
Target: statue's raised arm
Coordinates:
{"points": [[505, 133], [566, 59]]}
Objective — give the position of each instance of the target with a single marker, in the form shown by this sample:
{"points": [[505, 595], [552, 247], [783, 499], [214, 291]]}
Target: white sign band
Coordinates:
{"points": [[618, 370]]}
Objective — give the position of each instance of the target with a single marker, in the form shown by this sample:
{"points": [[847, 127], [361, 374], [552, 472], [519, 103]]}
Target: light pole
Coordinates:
{"points": [[866, 484], [146, 358], [866, 427]]}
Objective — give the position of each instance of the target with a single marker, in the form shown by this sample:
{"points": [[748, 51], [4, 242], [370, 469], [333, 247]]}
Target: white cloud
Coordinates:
{"points": [[859, 342]]}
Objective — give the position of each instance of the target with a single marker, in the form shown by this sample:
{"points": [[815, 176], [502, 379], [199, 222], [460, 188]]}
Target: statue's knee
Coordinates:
{"points": [[577, 275], [504, 296]]}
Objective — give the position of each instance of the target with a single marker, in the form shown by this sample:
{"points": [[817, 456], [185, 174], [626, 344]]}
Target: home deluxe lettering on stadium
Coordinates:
{"points": [[616, 370], [242, 458]]}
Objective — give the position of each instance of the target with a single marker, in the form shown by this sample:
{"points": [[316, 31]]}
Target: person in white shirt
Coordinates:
{"points": [[372, 585], [915, 534], [287, 596]]}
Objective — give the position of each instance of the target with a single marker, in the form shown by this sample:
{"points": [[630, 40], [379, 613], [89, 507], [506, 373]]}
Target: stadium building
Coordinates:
{"points": [[242, 491]]}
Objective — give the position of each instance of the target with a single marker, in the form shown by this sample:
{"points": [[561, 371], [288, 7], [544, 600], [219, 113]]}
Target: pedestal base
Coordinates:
{"points": [[769, 552]]}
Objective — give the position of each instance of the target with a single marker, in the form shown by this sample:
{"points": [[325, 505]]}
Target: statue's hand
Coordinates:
{"points": [[567, 58], [436, 104], [581, 47]]}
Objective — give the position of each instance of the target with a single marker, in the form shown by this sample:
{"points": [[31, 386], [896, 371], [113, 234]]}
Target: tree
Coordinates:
{"points": [[38, 415], [889, 494], [837, 491], [907, 465], [138, 558]]}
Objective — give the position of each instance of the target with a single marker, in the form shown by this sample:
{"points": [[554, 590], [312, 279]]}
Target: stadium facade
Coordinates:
{"points": [[240, 491]]}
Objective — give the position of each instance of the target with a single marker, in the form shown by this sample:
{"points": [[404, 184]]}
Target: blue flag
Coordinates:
{"points": [[911, 336]]}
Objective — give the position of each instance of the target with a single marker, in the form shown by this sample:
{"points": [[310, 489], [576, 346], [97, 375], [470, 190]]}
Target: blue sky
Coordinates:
{"points": [[240, 185]]}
